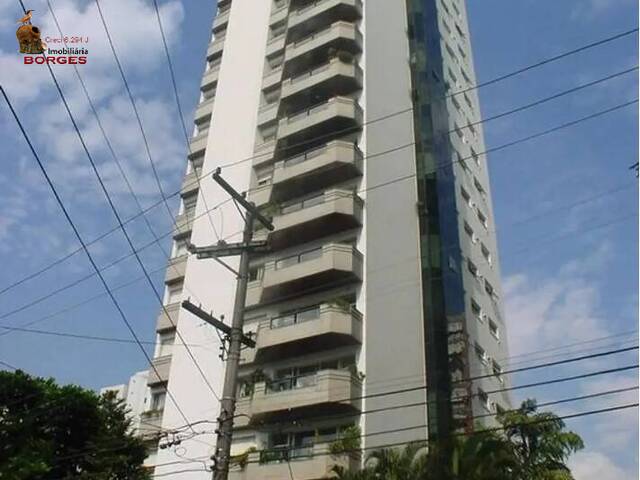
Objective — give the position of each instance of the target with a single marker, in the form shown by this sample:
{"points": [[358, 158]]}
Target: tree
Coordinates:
{"points": [[57, 432], [531, 446], [539, 444]]}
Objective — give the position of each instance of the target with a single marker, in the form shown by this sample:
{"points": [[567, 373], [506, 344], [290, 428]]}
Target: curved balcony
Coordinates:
{"points": [[198, 144], [190, 183], [210, 78], [279, 13], [222, 19], [268, 113], [275, 45], [168, 322], [306, 331], [263, 153], [271, 78], [334, 78], [306, 463], [303, 54], [162, 365], [204, 110], [150, 423], [334, 115], [318, 168], [330, 212], [324, 392], [313, 16], [216, 47], [183, 226], [330, 264], [176, 269]]}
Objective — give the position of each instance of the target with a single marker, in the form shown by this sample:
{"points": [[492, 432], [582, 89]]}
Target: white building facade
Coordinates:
{"points": [[354, 125]]}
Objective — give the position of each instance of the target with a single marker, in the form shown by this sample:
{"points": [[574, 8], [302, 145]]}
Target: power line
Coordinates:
{"points": [[489, 82], [112, 152], [144, 135], [465, 380], [8, 365], [97, 338], [479, 431], [386, 183], [81, 240], [119, 220], [476, 432], [76, 282]]}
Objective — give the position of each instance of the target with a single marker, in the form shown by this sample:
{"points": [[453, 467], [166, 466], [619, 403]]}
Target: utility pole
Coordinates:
{"points": [[235, 333]]}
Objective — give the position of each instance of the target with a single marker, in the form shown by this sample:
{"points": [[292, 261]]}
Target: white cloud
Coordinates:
{"points": [[592, 9], [137, 43], [590, 465]]}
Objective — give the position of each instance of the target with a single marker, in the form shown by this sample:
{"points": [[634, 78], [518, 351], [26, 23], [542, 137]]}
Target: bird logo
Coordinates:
{"points": [[26, 20], [29, 36]]}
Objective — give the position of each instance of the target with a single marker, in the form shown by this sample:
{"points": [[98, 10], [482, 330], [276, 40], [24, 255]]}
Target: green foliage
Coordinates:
{"points": [[348, 441], [63, 432], [533, 446], [242, 459], [539, 443]]}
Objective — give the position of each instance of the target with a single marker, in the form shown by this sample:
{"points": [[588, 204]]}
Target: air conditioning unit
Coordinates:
{"points": [[474, 238]]}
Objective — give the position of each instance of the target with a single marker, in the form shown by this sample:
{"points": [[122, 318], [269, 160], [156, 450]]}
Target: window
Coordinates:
{"points": [[465, 75], [255, 273], [451, 53], [460, 133], [174, 293], [497, 369], [484, 399], [165, 343], [479, 187], [462, 162], [480, 352], [476, 310], [180, 248], [489, 288], [271, 96], [445, 8], [157, 400], [493, 329], [486, 253], [472, 268], [475, 156], [462, 53], [268, 133], [483, 219], [459, 30], [189, 204], [468, 230], [453, 78], [466, 197], [278, 31], [264, 179]]}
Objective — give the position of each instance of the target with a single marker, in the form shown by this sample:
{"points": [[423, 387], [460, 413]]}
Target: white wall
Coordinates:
{"points": [[231, 138]]}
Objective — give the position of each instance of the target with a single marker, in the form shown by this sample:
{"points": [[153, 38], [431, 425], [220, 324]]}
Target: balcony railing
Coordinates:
{"points": [[306, 331], [311, 462], [294, 318], [299, 258]]}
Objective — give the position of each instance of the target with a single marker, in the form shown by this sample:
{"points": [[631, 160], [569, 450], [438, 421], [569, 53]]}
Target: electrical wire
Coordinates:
{"points": [[84, 246], [115, 158], [483, 84], [383, 184], [124, 231], [144, 135]]}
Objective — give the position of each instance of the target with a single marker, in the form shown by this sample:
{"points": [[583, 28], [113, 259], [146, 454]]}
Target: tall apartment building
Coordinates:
{"points": [[339, 120]]}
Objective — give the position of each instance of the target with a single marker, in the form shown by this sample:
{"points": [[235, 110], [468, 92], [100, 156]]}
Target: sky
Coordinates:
{"points": [[565, 205]]}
